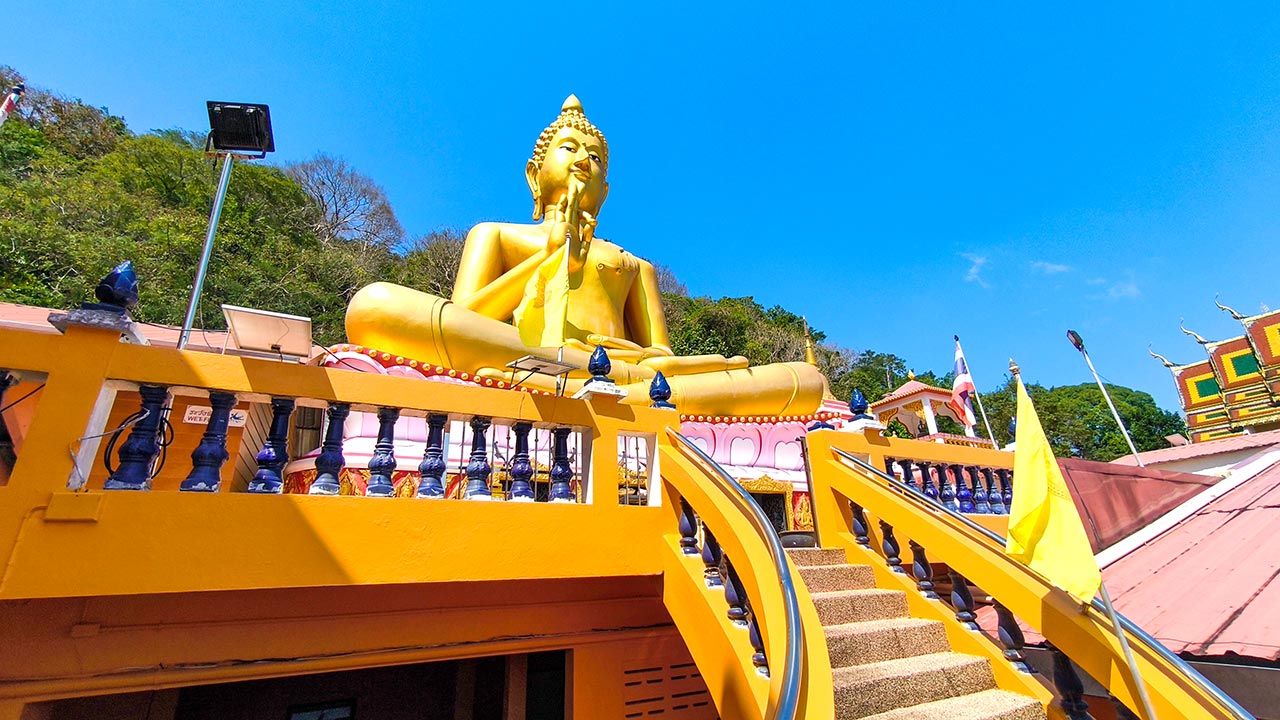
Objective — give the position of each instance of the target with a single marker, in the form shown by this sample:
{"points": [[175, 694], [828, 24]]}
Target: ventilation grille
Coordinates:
{"points": [[667, 691]]}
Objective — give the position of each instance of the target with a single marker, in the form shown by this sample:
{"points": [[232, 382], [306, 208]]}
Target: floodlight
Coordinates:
{"points": [[271, 333], [233, 128], [240, 127]]}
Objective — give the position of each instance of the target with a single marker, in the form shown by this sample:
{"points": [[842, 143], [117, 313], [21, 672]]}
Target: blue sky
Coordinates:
{"points": [[897, 172]]}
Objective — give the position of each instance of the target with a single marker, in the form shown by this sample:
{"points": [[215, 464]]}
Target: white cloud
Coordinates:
{"points": [[974, 274], [1049, 268], [1096, 281], [1126, 289]]}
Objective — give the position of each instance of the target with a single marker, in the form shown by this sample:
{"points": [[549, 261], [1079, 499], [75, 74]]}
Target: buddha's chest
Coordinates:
{"points": [[610, 266]]}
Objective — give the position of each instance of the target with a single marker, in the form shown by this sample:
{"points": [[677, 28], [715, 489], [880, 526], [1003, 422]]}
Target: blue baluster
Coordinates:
{"points": [[275, 451], [757, 644], [688, 525], [330, 461], [478, 468], [431, 469], [993, 493], [1070, 688], [561, 472], [211, 453], [962, 601], [521, 469], [860, 528], [735, 594], [981, 501], [927, 486], [908, 473], [922, 570], [660, 392], [1006, 487], [926, 480], [139, 450], [964, 496], [710, 559], [382, 465], [889, 543], [946, 491], [1011, 637]]}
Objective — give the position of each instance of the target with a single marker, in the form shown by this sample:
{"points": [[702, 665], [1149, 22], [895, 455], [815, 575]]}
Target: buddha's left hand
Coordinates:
{"points": [[623, 349]]}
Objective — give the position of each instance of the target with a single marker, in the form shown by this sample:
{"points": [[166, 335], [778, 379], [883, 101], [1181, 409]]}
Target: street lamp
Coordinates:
{"points": [[235, 130], [1078, 342]]}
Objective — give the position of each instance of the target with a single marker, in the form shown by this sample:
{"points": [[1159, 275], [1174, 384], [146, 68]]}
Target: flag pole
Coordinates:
{"points": [[977, 396], [1078, 342], [1128, 654], [1110, 608]]}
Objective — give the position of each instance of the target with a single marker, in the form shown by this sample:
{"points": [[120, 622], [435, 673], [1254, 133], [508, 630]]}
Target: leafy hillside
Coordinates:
{"points": [[79, 192]]}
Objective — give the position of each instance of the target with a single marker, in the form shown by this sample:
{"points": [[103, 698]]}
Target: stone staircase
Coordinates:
{"points": [[887, 665]]}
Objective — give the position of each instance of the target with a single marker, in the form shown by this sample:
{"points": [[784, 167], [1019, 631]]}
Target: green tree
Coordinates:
{"points": [[1078, 422]]}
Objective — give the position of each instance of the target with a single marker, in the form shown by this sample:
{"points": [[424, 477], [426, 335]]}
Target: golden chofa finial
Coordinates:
{"points": [[1234, 314], [1164, 360], [1013, 368], [911, 375], [1198, 339]]}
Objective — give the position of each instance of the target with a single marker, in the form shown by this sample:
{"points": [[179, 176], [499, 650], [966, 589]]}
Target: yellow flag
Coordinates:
{"points": [[1045, 531]]}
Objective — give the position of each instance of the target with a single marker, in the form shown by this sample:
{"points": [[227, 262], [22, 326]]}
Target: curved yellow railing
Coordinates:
{"points": [[1084, 634], [798, 684]]}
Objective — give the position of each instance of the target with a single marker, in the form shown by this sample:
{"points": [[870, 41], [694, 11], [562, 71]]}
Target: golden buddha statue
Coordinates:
{"points": [[553, 289]]}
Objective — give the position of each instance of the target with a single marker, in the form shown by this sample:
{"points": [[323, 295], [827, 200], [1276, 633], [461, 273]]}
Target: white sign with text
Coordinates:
{"points": [[199, 415]]}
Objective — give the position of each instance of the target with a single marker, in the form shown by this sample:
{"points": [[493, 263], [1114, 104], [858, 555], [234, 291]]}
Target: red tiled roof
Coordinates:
{"points": [[1209, 586], [911, 387], [1212, 447], [1116, 501], [33, 318]]}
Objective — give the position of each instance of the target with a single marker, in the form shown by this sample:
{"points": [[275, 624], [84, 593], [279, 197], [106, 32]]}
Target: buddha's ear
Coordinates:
{"points": [[531, 177]]}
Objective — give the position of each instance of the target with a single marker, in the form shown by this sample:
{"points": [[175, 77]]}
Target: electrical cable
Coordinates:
{"points": [[166, 439], [37, 389]]}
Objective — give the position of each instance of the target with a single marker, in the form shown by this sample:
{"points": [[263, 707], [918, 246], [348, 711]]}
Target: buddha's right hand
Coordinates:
{"points": [[693, 364], [573, 225]]}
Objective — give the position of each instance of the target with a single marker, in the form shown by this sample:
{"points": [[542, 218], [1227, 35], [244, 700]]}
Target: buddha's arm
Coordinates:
{"points": [[481, 284], [646, 324]]}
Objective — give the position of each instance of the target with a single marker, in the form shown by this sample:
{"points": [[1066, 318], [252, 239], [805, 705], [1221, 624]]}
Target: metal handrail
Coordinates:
{"points": [[1141, 636], [789, 696]]}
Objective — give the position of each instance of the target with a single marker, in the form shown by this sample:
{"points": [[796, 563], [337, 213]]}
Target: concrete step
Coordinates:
{"points": [[864, 690], [986, 705], [861, 643], [817, 556], [839, 607], [825, 578]]}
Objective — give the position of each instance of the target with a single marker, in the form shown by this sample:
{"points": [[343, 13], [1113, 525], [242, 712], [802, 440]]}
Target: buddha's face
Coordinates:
{"points": [[572, 155]]}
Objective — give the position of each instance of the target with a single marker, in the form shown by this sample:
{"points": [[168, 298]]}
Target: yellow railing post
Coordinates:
{"points": [[76, 389]]}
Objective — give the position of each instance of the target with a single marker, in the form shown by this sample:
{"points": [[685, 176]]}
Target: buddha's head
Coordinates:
{"points": [[570, 147]]}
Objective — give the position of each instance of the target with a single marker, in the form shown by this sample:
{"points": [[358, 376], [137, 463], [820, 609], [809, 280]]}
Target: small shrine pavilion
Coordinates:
{"points": [[918, 406]]}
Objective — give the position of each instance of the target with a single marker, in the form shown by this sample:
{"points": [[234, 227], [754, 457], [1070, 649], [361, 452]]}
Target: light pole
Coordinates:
{"points": [[235, 130], [1078, 342]]}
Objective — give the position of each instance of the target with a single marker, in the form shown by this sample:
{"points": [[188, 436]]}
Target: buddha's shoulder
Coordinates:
{"points": [[505, 229]]}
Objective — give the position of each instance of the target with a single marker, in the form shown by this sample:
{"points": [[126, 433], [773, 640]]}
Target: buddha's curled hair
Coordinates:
{"points": [[571, 115]]}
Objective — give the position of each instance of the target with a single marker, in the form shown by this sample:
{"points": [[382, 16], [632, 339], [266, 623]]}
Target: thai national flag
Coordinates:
{"points": [[961, 388], [11, 102]]}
